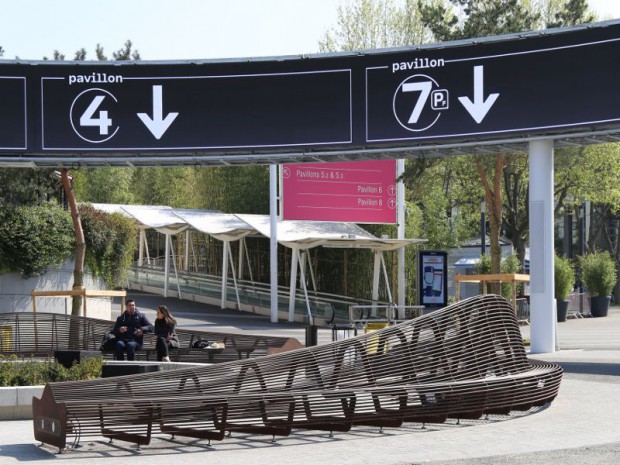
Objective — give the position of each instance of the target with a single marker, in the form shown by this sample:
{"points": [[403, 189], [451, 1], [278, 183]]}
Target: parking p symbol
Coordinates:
{"points": [[439, 99]]}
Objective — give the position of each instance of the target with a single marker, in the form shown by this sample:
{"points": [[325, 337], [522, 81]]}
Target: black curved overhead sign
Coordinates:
{"points": [[545, 83]]}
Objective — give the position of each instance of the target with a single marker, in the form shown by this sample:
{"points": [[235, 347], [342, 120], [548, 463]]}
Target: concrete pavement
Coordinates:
{"points": [[580, 426]]}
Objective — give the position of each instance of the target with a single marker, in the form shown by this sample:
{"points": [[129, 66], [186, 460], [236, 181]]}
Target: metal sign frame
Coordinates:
{"points": [[424, 101]]}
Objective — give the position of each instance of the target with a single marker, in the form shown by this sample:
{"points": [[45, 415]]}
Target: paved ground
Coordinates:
{"points": [[581, 426]]}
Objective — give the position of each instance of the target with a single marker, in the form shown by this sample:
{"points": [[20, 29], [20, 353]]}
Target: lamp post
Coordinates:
{"points": [[483, 228], [582, 247]]}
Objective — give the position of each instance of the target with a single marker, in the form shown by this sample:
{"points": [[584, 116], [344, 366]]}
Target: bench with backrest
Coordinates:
{"points": [[42, 334], [463, 361]]}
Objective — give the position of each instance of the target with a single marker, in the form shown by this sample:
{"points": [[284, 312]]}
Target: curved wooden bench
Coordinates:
{"points": [[463, 361], [41, 334]]}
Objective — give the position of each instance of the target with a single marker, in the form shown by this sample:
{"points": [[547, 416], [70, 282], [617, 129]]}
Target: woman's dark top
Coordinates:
{"points": [[162, 329]]}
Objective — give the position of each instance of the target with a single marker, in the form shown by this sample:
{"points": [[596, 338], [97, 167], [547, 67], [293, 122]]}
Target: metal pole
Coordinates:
{"points": [[400, 202], [582, 248], [483, 228]]}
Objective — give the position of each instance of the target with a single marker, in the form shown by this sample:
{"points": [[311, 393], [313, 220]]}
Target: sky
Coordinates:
{"points": [[176, 29]]}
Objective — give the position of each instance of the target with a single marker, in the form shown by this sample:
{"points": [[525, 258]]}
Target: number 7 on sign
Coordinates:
{"points": [[424, 87]]}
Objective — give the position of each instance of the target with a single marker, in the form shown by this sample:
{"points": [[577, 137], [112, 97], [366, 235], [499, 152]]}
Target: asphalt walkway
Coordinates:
{"points": [[580, 426]]}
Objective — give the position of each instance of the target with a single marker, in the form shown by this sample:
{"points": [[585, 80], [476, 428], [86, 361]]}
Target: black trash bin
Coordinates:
{"points": [[118, 369], [68, 357], [311, 335]]}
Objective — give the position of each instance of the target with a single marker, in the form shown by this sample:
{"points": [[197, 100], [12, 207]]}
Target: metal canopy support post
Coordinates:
{"points": [[142, 239], [194, 256], [174, 264], [376, 276], [166, 264], [293, 285], [385, 276], [298, 261], [273, 239], [311, 269], [400, 219], [247, 259], [234, 276], [146, 248], [224, 273], [240, 258], [186, 262], [302, 266], [542, 303]]}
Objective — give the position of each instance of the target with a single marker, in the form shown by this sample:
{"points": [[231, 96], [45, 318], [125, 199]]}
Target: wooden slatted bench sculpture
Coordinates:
{"points": [[41, 334], [463, 361]]}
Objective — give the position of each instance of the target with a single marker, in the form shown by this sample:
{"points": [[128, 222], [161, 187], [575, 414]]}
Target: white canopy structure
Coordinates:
{"points": [[164, 221], [225, 227], [303, 235], [300, 236], [160, 218]]}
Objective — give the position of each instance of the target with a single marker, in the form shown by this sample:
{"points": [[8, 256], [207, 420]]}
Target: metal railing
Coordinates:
{"points": [[361, 315], [253, 296]]}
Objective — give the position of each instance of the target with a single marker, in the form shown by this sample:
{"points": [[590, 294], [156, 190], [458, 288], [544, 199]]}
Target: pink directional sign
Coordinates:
{"points": [[354, 192]]}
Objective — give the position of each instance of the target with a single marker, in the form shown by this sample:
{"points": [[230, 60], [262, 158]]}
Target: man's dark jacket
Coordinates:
{"points": [[136, 321]]}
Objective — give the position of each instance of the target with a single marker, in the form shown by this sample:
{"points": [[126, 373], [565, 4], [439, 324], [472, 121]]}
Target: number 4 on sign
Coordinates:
{"points": [[158, 125], [103, 122]]}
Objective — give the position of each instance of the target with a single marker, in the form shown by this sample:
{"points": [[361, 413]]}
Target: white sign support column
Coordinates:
{"points": [[542, 303], [273, 240], [400, 219]]}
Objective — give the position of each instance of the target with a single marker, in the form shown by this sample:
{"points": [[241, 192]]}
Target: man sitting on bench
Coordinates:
{"points": [[129, 331]]}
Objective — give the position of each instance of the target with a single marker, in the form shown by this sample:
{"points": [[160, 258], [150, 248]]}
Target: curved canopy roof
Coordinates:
{"points": [[227, 226], [161, 219], [222, 226], [308, 234]]}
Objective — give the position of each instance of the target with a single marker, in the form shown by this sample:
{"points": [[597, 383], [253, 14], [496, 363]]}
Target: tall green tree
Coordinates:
{"points": [[234, 189], [372, 24], [466, 19], [105, 185], [463, 19], [27, 186], [502, 179], [552, 13], [175, 187], [67, 183], [591, 174]]}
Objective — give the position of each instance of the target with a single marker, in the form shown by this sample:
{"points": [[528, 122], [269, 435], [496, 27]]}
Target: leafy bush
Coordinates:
{"points": [[564, 277], [32, 238], [110, 243], [598, 272], [14, 372]]}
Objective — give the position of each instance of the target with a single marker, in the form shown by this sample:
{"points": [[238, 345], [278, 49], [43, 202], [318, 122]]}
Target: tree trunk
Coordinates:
{"points": [[516, 209], [80, 244], [493, 196]]}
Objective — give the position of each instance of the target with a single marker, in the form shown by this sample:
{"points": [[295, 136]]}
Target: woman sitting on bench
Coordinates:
{"points": [[165, 325]]}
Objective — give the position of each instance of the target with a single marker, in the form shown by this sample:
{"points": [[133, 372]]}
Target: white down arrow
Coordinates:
{"points": [[158, 125], [479, 108]]}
